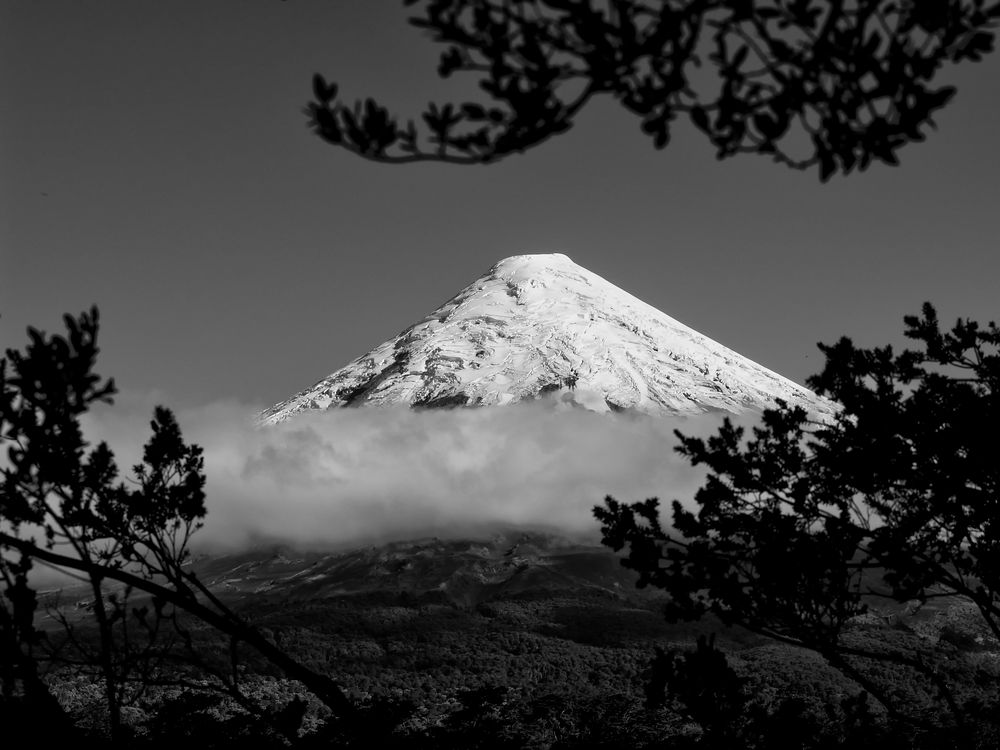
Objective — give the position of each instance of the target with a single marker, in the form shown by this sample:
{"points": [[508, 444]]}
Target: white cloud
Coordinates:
{"points": [[373, 474]]}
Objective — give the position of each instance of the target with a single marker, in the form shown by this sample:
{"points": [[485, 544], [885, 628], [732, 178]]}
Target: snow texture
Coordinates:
{"points": [[540, 326]]}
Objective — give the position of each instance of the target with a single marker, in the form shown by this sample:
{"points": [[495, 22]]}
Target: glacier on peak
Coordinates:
{"points": [[542, 326]]}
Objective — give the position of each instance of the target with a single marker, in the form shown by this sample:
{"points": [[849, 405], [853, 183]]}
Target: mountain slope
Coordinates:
{"points": [[541, 324]]}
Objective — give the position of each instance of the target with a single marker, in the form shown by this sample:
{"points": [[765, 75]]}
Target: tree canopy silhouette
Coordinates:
{"points": [[809, 83], [63, 504], [800, 527]]}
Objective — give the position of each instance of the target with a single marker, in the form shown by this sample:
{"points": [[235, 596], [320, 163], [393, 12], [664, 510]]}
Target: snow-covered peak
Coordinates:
{"points": [[541, 325], [534, 264]]}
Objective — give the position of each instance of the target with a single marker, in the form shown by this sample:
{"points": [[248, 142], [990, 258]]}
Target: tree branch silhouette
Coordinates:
{"points": [[62, 504], [798, 524], [832, 85]]}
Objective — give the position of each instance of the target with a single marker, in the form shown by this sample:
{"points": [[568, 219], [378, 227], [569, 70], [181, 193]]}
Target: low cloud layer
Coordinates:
{"points": [[354, 476]]}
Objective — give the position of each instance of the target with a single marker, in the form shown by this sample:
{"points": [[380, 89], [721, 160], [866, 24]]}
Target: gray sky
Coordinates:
{"points": [[154, 161]]}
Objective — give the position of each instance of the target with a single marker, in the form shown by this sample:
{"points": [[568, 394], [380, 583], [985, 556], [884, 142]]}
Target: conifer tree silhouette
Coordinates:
{"points": [[63, 504]]}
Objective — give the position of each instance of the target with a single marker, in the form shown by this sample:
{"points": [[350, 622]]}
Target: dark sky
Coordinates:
{"points": [[154, 161]]}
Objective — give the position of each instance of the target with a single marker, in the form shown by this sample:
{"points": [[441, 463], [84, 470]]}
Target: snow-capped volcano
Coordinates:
{"points": [[540, 324]]}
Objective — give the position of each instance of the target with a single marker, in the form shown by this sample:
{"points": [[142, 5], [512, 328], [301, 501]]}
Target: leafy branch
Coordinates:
{"points": [[831, 85]]}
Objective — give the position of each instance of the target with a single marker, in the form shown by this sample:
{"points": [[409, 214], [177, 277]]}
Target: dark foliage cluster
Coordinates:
{"points": [[63, 504], [508, 674], [809, 83], [59, 497], [800, 528], [436, 674]]}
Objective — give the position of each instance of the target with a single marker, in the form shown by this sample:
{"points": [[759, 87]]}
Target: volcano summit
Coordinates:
{"points": [[541, 324]]}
